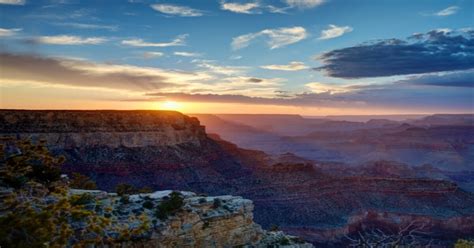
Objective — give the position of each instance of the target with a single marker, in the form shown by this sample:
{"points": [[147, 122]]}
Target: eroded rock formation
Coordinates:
{"points": [[177, 154]]}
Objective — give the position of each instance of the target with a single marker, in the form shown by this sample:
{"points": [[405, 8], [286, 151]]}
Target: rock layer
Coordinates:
{"points": [[293, 195], [199, 223]]}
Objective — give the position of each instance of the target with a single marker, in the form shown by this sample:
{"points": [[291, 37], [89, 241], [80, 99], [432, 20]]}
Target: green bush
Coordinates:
{"points": [[145, 190], [284, 241], [462, 243], [125, 189], [82, 199], [169, 205], [79, 181]]}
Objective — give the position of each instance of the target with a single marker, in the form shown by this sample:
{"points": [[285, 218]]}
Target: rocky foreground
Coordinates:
{"points": [[202, 221]]}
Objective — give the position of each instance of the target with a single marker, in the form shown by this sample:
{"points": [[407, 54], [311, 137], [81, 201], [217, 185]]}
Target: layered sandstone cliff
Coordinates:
{"points": [[79, 129]]}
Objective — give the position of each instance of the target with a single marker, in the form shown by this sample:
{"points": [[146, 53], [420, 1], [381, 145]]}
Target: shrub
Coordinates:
{"points": [[124, 199], [39, 209], [274, 228], [145, 190], [148, 205], [284, 241], [462, 243], [80, 181], [82, 199], [217, 203], [124, 189], [32, 163], [169, 205]]}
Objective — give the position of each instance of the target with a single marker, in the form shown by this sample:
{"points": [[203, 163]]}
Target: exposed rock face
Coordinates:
{"points": [[79, 129], [199, 223], [289, 192]]}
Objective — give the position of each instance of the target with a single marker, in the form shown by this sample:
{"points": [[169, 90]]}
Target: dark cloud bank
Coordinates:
{"points": [[435, 51]]}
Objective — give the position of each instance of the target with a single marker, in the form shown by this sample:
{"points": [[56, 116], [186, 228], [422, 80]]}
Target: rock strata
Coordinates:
{"points": [[200, 222]]}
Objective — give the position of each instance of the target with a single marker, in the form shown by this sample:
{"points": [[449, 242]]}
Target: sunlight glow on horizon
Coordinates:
{"points": [[171, 105]]}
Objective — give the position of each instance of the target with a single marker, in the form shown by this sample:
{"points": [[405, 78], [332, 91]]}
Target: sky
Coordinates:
{"points": [[308, 57]]}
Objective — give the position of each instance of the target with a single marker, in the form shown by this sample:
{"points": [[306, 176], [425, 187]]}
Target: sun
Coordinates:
{"points": [[170, 105]]}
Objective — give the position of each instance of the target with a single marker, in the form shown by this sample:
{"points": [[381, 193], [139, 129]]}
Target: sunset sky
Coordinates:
{"points": [[309, 57]]}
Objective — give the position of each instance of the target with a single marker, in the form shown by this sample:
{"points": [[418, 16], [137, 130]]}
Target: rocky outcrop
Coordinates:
{"points": [[220, 221], [80, 129]]}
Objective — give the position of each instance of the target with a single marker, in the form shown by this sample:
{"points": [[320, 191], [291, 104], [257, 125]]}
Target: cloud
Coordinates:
{"points": [[448, 11], [235, 57], [292, 66], [212, 67], [435, 51], [187, 54], [242, 8], [7, 32], [304, 4], [278, 10], [150, 55], [68, 40], [463, 79], [180, 40], [317, 87], [275, 38], [334, 31], [22, 68], [387, 96], [176, 10], [13, 2], [87, 26], [236, 85]]}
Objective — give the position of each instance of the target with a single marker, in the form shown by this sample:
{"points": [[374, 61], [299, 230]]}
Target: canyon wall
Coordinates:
{"points": [[292, 193], [78, 129]]}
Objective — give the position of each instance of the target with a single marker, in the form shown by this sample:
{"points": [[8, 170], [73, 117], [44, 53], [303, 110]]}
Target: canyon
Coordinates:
{"points": [[322, 201]]}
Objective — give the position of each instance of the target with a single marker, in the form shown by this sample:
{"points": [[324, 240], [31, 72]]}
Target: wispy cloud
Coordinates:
{"points": [[275, 38], [214, 68], [69, 40], [235, 57], [448, 11], [87, 26], [150, 55], [187, 54], [317, 87], [7, 32], [177, 10], [279, 10], [242, 8], [304, 4], [13, 2], [334, 31], [180, 40], [292, 66], [22, 68]]}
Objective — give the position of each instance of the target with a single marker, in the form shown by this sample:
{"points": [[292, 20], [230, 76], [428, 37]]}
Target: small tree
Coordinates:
{"points": [[37, 210]]}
